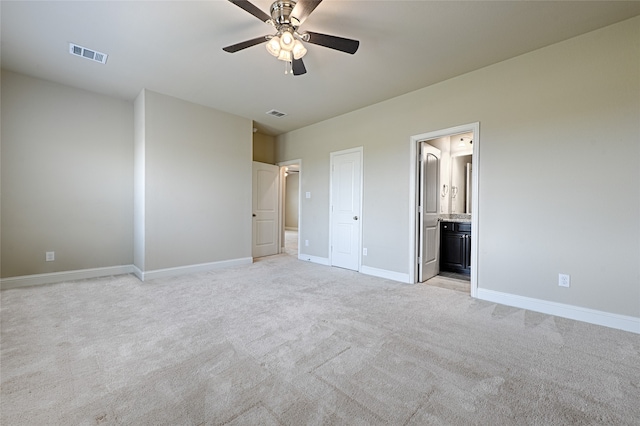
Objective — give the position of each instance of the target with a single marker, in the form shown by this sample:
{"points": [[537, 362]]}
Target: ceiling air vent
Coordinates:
{"points": [[276, 113], [74, 49]]}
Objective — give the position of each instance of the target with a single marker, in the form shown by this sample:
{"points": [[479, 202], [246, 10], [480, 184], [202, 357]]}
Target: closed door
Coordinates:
{"points": [[428, 183], [265, 209], [345, 208]]}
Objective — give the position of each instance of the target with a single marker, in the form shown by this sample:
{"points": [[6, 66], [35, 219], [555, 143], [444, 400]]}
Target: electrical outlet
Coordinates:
{"points": [[564, 280], [306, 243], [50, 256], [364, 251]]}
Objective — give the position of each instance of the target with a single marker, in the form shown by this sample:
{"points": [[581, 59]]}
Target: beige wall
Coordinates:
{"points": [[105, 182], [197, 184], [291, 198], [66, 178], [571, 110], [264, 148]]}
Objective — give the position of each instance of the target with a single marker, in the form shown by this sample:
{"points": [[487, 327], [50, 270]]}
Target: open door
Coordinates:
{"points": [[428, 200], [265, 235]]}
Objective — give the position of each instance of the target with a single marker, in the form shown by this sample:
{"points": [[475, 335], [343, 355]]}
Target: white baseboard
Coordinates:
{"points": [[592, 316], [383, 273], [138, 273], [57, 277], [367, 270], [314, 259], [83, 274], [191, 269]]}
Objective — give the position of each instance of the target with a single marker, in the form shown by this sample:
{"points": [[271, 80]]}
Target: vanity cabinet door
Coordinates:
{"points": [[466, 265], [452, 250], [455, 247]]}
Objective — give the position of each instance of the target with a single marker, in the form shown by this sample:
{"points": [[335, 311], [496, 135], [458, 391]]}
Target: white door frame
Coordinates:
{"points": [[331, 157], [413, 194], [282, 165]]}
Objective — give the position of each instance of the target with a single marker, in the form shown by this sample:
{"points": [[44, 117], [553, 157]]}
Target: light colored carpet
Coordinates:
{"points": [[289, 342]]}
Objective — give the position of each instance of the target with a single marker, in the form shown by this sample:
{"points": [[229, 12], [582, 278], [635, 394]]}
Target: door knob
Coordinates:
{"points": [[355, 218], [254, 215]]}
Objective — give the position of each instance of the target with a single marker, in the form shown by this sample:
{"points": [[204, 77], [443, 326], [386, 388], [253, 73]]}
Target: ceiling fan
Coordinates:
{"points": [[287, 44]]}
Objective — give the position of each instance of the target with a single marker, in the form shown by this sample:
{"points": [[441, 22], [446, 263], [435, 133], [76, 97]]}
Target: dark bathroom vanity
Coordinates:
{"points": [[455, 247]]}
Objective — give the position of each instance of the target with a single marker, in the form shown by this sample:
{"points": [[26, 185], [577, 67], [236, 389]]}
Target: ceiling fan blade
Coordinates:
{"points": [[252, 9], [239, 46], [303, 9], [298, 67], [346, 45]]}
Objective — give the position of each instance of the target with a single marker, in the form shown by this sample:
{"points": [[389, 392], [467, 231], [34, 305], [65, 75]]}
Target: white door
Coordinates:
{"points": [[346, 181], [265, 209], [428, 183]]}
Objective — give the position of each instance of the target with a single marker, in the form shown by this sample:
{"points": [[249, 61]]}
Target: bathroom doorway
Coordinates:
{"points": [[457, 201]]}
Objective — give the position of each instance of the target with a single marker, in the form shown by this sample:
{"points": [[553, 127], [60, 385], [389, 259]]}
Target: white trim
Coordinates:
{"points": [[332, 155], [413, 177], [192, 269], [282, 188], [138, 273], [57, 277], [383, 273], [83, 274], [475, 208], [314, 259], [592, 316]]}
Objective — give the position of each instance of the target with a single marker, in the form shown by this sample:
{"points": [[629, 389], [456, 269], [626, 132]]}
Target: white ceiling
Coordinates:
{"points": [[175, 48]]}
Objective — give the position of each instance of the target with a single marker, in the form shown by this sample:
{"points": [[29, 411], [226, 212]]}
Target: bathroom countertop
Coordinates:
{"points": [[465, 218]]}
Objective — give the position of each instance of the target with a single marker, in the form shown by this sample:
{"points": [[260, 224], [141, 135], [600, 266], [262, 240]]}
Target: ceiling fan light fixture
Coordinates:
{"points": [[298, 50], [287, 41], [288, 45], [273, 46], [285, 55]]}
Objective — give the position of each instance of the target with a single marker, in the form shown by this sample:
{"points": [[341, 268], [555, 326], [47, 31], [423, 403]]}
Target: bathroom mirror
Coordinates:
{"points": [[460, 188], [455, 172], [459, 174]]}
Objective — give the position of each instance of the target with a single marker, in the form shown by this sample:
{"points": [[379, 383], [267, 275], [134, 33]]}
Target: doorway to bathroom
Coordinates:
{"points": [[444, 205]]}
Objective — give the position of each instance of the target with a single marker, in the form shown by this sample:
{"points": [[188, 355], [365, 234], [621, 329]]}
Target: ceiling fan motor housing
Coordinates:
{"points": [[281, 13]]}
